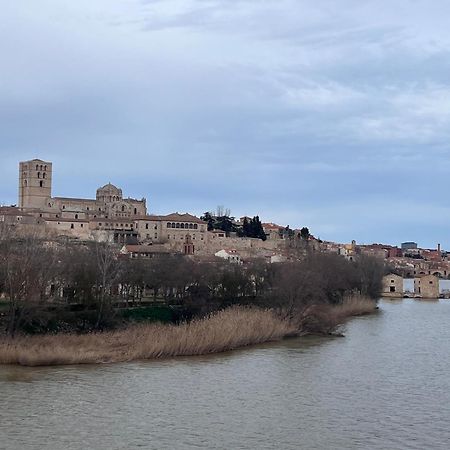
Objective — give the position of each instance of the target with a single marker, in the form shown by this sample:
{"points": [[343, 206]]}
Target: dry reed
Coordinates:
{"points": [[223, 331], [326, 319]]}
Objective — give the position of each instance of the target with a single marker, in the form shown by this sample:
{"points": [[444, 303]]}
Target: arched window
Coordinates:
{"points": [[37, 167], [190, 226], [41, 183], [45, 167], [39, 174], [41, 167], [182, 225], [195, 226], [169, 225], [76, 216], [71, 226], [177, 225], [135, 211], [44, 175], [123, 208]]}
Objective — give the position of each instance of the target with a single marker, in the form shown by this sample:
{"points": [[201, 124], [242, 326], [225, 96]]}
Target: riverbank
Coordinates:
{"points": [[223, 331]]}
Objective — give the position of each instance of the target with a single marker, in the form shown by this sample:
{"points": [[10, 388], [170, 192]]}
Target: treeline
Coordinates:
{"points": [[39, 278]]}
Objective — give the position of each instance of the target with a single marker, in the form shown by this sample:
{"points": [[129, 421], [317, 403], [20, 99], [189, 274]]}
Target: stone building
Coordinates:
{"points": [[110, 216], [392, 286], [35, 194], [426, 286]]}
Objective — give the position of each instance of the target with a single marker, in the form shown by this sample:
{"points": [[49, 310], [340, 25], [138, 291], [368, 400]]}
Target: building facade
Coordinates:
{"points": [[393, 286]]}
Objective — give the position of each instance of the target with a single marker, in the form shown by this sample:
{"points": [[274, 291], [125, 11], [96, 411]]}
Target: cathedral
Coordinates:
{"points": [[35, 192], [108, 216]]}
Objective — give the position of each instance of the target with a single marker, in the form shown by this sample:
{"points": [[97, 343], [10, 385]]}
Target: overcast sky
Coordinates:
{"points": [[331, 115]]}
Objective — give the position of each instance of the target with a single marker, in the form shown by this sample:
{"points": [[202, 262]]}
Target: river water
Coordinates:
{"points": [[386, 385]]}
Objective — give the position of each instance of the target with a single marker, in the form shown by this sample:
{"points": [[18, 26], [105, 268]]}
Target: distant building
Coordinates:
{"points": [[392, 286], [231, 256], [426, 286], [35, 193], [409, 246]]}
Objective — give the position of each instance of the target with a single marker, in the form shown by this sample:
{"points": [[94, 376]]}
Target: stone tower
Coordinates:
{"points": [[35, 183]]}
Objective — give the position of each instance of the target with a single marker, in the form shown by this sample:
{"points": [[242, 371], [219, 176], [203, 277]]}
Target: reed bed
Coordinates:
{"points": [[226, 330], [354, 305]]}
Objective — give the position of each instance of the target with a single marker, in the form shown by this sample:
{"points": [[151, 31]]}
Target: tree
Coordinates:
{"points": [[108, 267], [208, 217], [304, 233], [253, 228]]}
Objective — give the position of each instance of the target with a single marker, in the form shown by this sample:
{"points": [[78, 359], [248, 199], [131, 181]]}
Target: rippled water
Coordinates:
{"points": [[384, 386]]}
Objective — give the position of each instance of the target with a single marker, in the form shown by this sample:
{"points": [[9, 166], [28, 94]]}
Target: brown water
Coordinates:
{"points": [[386, 385]]}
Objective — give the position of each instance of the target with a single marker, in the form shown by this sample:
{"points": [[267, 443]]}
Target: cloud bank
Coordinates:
{"points": [[308, 113]]}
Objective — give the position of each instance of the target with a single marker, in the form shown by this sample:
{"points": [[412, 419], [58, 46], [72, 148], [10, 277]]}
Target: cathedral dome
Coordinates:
{"points": [[109, 193]]}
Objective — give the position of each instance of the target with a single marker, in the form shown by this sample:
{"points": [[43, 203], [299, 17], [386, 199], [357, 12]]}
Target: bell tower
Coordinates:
{"points": [[35, 183]]}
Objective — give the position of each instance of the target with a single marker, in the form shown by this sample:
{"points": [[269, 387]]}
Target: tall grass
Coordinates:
{"points": [[222, 331], [326, 319], [219, 332]]}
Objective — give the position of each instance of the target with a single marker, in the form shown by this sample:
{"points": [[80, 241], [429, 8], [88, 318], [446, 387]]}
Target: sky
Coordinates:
{"points": [[330, 115]]}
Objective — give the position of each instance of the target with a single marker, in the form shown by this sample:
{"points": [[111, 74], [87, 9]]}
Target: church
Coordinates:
{"points": [[109, 215]]}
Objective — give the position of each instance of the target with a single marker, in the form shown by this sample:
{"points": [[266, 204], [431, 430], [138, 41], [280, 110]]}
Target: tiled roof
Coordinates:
{"points": [[174, 217]]}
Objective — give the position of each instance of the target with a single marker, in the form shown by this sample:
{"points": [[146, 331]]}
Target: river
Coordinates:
{"points": [[385, 385]]}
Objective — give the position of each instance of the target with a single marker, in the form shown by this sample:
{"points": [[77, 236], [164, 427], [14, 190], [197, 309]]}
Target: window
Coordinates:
{"points": [[81, 225], [41, 167], [45, 167], [123, 208], [169, 225], [195, 226], [182, 225], [44, 175], [76, 216], [64, 206], [146, 226], [41, 183], [190, 226], [392, 289], [39, 174], [177, 225], [72, 226], [37, 167], [135, 211], [99, 224], [25, 183], [156, 227]]}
